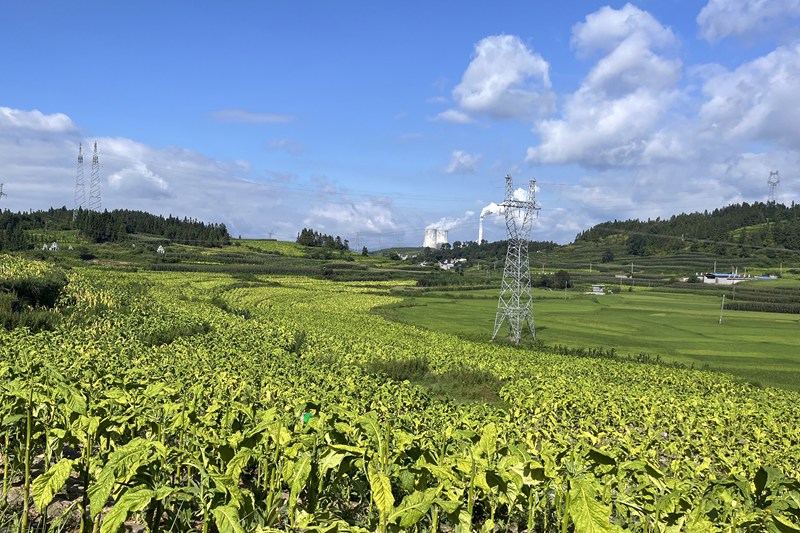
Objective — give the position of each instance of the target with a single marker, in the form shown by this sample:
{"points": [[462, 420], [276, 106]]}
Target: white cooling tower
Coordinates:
{"points": [[430, 239], [441, 237], [435, 238]]}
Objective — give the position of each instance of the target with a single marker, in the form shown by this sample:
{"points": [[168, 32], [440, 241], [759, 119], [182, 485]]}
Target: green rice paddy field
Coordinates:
{"points": [[763, 348]]}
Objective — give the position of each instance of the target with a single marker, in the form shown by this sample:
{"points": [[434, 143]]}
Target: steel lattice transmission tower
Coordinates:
{"points": [[772, 181], [80, 185], [515, 304], [94, 184]]}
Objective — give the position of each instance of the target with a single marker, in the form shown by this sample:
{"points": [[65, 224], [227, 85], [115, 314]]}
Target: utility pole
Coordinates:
{"points": [[515, 304], [722, 307]]}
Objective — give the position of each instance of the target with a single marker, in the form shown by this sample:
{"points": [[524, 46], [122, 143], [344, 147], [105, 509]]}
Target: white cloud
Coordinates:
{"points": [[370, 214], [607, 28], [616, 116], [139, 181], [756, 101], [242, 115], [462, 163], [748, 19], [453, 115], [505, 79], [449, 223], [34, 120]]}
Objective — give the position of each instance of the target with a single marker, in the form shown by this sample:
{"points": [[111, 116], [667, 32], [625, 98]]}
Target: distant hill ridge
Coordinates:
{"points": [[106, 226], [748, 227]]}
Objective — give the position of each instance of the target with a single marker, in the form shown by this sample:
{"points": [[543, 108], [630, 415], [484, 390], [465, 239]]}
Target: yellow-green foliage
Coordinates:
{"points": [[291, 249], [17, 267], [259, 412]]}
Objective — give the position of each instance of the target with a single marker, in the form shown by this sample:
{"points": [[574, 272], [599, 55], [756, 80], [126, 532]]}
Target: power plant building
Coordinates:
{"points": [[435, 238]]}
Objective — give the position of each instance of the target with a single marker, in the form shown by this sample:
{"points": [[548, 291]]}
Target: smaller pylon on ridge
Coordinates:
{"points": [[772, 182], [94, 184], [80, 185]]}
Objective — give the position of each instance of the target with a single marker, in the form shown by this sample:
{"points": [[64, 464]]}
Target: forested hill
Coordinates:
{"points": [[746, 227], [107, 226]]}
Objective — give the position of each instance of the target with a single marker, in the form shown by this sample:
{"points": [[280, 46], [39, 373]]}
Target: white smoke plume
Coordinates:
{"points": [[492, 209], [447, 223]]}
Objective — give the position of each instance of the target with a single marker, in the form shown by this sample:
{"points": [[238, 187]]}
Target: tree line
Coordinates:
{"points": [[485, 251], [106, 226], [309, 237], [736, 229]]}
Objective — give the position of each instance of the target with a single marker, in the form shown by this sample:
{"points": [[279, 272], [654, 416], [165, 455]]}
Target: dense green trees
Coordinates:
{"points": [[737, 229], [486, 251], [309, 237], [108, 226]]}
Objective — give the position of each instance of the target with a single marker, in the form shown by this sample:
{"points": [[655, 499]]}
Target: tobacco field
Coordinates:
{"points": [[168, 401]]}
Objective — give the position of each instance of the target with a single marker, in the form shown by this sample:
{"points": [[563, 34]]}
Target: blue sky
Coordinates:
{"points": [[375, 120]]}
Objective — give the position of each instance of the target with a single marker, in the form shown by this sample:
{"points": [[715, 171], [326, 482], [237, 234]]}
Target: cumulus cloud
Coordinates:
{"points": [[504, 80], [242, 115], [139, 181], [748, 19], [462, 163], [756, 101], [449, 223], [373, 214], [615, 117], [604, 30], [34, 120]]}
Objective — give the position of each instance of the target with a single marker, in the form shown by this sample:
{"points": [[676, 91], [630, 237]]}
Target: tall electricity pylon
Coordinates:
{"points": [[94, 184], [1, 192], [515, 304], [80, 185], [772, 182]]}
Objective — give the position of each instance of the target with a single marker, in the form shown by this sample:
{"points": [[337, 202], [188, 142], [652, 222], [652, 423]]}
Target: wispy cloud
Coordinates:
{"points": [[462, 163], [453, 115], [286, 145]]}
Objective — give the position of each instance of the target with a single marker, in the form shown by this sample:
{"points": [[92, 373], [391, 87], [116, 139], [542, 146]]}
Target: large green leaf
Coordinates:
{"points": [[297, 482], [783, 525], [488, 443], [135, 499], [226, 517], [381, 488], [122, 465], [414, 507], [73, 400], [589, 515], [46, 485]]}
